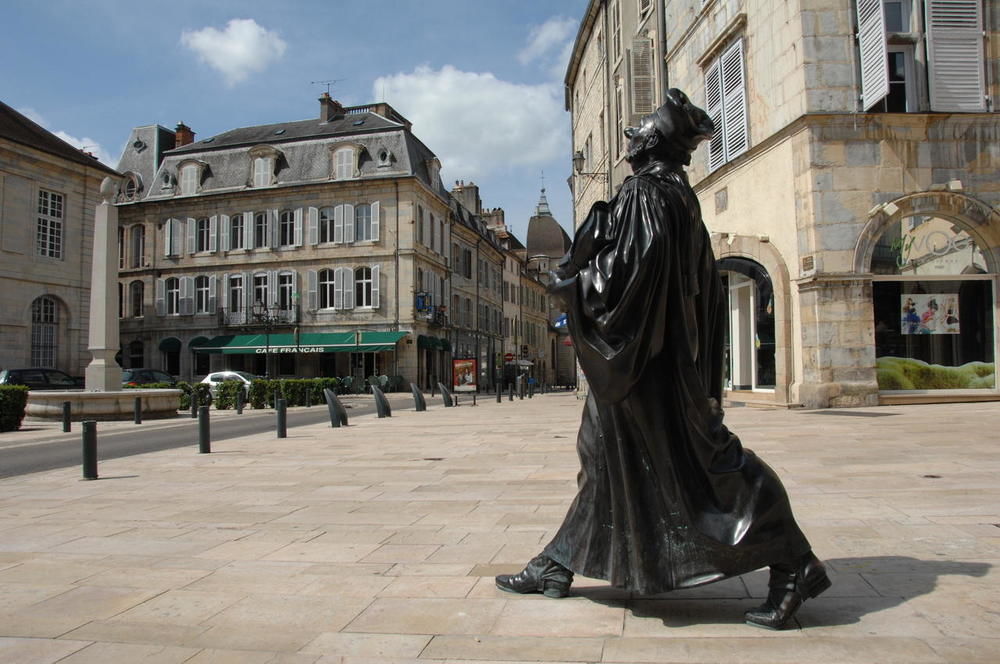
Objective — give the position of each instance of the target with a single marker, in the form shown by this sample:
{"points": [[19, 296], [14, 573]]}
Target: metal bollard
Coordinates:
{"points": [[510, 391], [67, 409], [473, 398], [204, 433], [137, 410], [239, 402], [194, 404], [531, 390], [89, 450], [499, 392], [282, 418]]}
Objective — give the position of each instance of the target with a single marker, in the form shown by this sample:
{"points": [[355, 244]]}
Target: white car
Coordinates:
{"points": [[215, 378]]}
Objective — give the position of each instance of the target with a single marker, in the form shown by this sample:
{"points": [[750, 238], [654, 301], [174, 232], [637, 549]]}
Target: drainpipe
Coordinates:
{"points": [[395, 327]]}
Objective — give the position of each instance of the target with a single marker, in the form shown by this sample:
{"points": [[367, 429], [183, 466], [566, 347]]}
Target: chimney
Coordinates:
{"points": [[183, 135], [329, 108]]}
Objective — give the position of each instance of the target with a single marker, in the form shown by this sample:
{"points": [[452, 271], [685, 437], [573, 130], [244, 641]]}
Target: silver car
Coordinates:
{"points": [[216, 377]]}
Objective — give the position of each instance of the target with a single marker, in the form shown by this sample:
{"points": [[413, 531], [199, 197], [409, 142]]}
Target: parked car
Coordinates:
{"points": [[147, 377], [216, 377], [40, 378]]}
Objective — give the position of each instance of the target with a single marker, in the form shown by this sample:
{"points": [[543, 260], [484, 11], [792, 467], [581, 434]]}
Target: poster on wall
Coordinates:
{"points": [[463, 375], [932, 313]]}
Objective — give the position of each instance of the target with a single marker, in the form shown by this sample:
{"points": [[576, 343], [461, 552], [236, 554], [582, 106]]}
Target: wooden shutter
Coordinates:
{"points": [[247, 294], [213, 233], [272, 228], [734, 101], [168, 237], [312, 226], [338, 288], [192, 233], [224, 228], [212, 295], [348, 222], [641, 76], [248, 231], [186, 306], [376, 210], [713, 104], [348, 281], [338, 224], [272, 288], [956, 74], [297, 232], [375, 276], [873, 53], [312, 298], [159, 303]]}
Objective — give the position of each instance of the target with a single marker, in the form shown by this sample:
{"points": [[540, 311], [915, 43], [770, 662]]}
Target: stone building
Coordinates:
{"points": [[308, 248], [850, 187], [48, 192]]}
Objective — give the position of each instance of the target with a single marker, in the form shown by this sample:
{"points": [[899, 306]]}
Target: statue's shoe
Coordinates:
{"points": [[787, 592], [541, 575]]}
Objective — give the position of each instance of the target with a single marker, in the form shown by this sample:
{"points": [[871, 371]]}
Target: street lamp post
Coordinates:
{"points": [[262, 316]]}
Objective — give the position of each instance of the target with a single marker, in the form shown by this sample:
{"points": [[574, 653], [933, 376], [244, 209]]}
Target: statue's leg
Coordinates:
{"points": [[541, 575], [789, 587]]}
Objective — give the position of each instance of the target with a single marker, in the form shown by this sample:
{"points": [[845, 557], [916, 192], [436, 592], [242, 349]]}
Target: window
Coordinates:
{"points": [[261, 237], [260, 289], [173, 237], [420, 224], [616, 29], [365, 222], [235, 294], [202, 291], [189, 179], [343, 164], [641, 77], [286, 229], [286, 290], [173, 296], [136, 297], [619, 119], [236, 231], [44, 331], [121, 248], [326, 224], [203, 234], [263, 172], [725, 94], [137, 246], [363, 287], [49, 232], [892, 64], [326, 289]]}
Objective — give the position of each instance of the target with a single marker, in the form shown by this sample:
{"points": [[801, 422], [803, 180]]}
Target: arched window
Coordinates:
{"points": [[201, 295], [44, 331], [363, 222], [173, 295], [326, 286], [326, 224], [236, 231], [363, 287], [286, 229], [203, 234], [137, 245], [260, 235], [136, 298]]}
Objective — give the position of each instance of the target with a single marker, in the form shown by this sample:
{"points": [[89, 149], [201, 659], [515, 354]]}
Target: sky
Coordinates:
{"points": [[481, 80]]}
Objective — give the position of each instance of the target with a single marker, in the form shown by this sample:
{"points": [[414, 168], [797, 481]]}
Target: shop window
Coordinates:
{"points": [[933, 308]]}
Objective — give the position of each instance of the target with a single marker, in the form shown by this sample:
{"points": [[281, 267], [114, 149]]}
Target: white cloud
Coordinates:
{"points": [[241, 48], [476, 123], [550, 43], [86, 143]]}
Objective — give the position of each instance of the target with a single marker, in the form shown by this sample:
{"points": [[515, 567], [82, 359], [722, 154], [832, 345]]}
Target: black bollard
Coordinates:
{"points": [[510, 391], [204, 434], [282, 418], [499, 392], [137, 410], [239, 401], [89, 450], [67, 408], [473, 398], [531, 390], [194, 404]]}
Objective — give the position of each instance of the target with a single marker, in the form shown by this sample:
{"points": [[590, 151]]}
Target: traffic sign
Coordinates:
{"points": [[508, 357]]}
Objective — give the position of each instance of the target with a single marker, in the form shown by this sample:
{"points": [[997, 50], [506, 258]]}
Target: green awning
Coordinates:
{"points": [[198, 341], [310, 342], [170, 345]]}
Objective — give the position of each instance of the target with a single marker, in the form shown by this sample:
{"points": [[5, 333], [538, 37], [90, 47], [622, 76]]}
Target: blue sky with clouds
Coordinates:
{"points": [[481, 80]]}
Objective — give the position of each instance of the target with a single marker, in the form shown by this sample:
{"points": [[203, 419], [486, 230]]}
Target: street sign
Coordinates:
{"points": [[508, 357]]}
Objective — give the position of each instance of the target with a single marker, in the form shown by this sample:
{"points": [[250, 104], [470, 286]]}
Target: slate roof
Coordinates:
{"points": [[19, 129]]}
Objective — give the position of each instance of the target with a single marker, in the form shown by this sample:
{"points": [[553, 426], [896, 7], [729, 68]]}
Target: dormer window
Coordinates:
{"points": [[189, 180], [264, 161], [263, 168], [434, 172], [130, 187], [345, 162]]}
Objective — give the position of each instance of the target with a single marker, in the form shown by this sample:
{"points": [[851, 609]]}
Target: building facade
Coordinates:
{"points": [[48, 193], [850, 189]]}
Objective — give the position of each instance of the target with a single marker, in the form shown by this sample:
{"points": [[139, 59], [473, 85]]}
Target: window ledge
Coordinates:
{"points": [[735, 26]]}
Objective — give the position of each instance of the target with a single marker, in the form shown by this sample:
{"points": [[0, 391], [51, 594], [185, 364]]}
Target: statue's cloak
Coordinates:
{"points": [[668, 497]]}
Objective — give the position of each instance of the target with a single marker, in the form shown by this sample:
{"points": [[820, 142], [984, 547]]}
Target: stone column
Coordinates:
{"points": [[103, 373]]}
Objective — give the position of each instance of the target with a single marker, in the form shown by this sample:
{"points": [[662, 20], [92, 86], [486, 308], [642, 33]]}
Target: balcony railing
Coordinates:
{"points": [[245, 318]]}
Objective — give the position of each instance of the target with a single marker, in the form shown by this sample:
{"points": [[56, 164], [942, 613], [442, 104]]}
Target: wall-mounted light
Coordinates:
{"points": [[578, 160]]}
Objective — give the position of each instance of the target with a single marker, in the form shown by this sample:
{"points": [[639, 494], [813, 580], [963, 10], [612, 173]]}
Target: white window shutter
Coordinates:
{"points": [[224, 222], [248, 230], [247, 292], [956, 73], [187, 296], [168, 237], [272, 228], [212, 295], [734, 101], [297, 241], [376, 210], [338, 223], [348, 222], [312, 226], [873, 53], [348, 287], [272, 288], [641, 74], [338, 288], [713, 106], [375, 276], [192, 230], [213, 233], [312, 283], [160, 293]]}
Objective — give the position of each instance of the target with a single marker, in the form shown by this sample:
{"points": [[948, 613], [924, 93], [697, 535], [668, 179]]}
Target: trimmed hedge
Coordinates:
{"points": [[13, 399], [295, 391], [226, 393]]}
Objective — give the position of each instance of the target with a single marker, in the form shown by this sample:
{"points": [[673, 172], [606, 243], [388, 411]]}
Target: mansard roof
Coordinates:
{"points": [[19, 129]]}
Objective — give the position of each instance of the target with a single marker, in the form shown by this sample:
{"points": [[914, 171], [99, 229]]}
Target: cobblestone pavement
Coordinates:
{"points": [[379, 542]]}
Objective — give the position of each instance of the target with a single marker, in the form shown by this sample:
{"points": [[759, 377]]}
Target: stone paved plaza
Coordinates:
{"points": [[379, 542]]}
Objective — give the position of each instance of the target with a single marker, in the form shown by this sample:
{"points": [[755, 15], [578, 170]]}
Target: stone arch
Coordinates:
{"points": [[976, 217], [760, 250]]}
